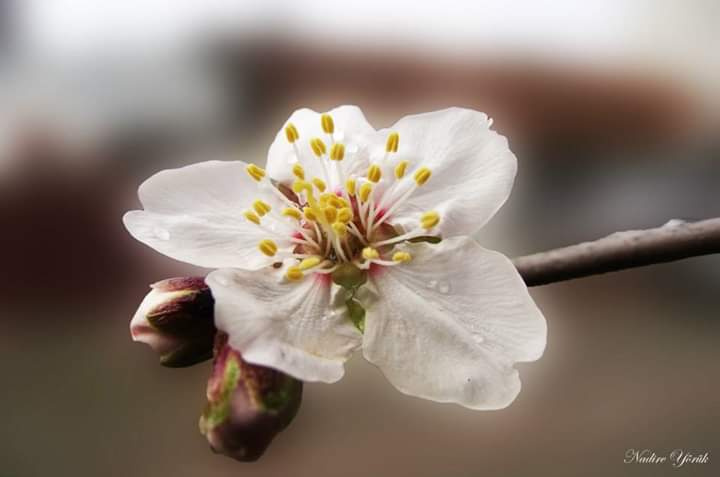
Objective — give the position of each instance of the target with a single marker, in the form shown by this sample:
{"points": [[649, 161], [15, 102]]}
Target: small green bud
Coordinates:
{"points": [[248, 405], [176, 320]]}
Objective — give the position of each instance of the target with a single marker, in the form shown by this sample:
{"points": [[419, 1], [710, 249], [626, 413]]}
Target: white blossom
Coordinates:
{"points": [[355, 238]]}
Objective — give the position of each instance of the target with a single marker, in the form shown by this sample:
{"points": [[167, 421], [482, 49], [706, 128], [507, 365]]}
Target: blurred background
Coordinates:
{"points": [[611, 107]]}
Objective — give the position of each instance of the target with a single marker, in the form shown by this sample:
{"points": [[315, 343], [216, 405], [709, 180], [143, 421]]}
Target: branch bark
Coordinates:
{"points": [[622, 250]]}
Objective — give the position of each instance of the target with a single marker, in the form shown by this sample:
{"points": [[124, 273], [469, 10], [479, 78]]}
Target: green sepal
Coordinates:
{"points": [[357, 314]]}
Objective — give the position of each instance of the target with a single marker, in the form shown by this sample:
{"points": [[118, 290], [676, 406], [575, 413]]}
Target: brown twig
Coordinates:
{"points": [[634, 248]]}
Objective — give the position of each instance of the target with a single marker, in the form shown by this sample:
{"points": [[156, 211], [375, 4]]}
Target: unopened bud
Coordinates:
{"points": [[248, 405], [176, 320]]}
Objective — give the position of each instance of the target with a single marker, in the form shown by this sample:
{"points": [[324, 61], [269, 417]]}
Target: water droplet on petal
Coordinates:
{"points": [[432, 284], [161, 233], [222, 280], [444, 287]]}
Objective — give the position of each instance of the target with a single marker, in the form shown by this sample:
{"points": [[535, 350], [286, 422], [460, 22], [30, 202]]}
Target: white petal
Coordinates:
{"points": [[449, 325], [195, 214], [472, 168], [290, 326], [351, 129]]}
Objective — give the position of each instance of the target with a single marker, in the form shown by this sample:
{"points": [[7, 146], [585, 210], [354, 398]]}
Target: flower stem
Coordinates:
{"points": [[622, 250]]}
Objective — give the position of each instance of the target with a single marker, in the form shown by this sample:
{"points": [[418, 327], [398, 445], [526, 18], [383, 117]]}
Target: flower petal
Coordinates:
{"points": [[195, 214], [289, 326], [449, 325], [472, 168], [351, 129]]}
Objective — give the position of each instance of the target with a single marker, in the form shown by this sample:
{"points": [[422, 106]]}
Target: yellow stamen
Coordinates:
{"points": [[268, 247], [298, 171], [337, 152], [401, 257], [345, 215], [291, 133], [330, 214], [392, 143], [422, 175], [318, 146], [309, 214], [261, 208], [370, 253], [294, 274], [335, 202], [365, 191], [374, 174], [350, 186], [328, 198], [292, 212], [319, 184], [309, 262], [300, 186], [339, 228], [327, 123], [400, 169], [429, 220], [255, 172], [252, 217]]}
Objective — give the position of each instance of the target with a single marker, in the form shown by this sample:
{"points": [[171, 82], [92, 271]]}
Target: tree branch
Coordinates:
{"points": [[634, 248]]}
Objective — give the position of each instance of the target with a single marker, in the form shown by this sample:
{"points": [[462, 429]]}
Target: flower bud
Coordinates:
{"points": [[248, 405], [176, 320]]}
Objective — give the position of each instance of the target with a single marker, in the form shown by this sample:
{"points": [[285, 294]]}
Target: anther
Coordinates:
{"points": [[400, 169], [330, 214], [257, 173], [309, 214], [344, 215], [298, 172], [401, 257], [429, 220], [327, 123], [294, 273], [422, 175], [365, 191], [300, 186], [392, 143], [350, 186], [339, 228], [318, 146], [309, 263], [369, 253], [261, 208], [374, 174], [337, 151], [319, 183], [268, 247], [252, 217], [291, 133], [292, 212], [335, 202]]}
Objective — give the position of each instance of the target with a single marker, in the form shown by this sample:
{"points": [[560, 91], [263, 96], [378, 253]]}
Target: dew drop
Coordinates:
{"points": [[432, 284], [444, 287], [161, 233], [223, 281]]}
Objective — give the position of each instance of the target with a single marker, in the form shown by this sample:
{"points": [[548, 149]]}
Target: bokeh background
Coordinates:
{"points": [[611, 107]]}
